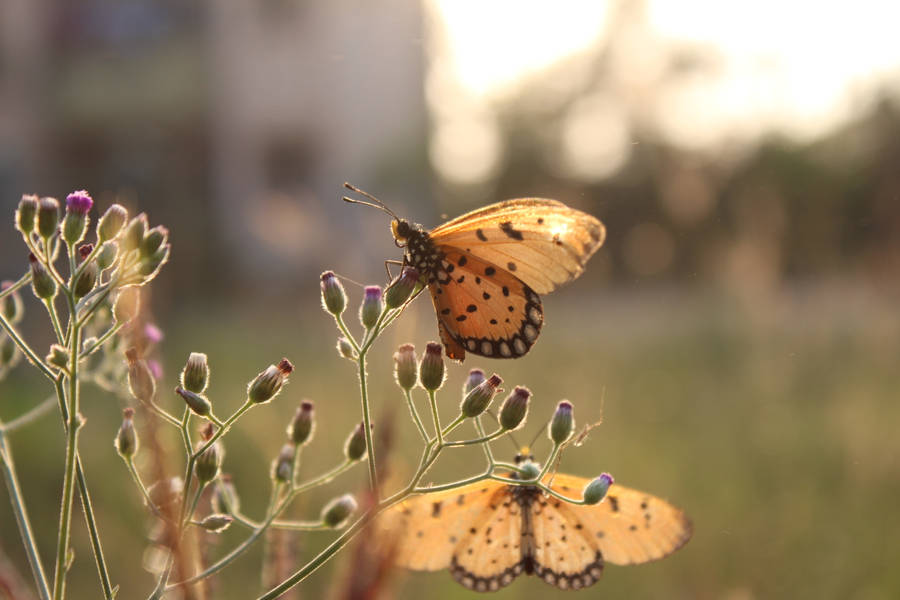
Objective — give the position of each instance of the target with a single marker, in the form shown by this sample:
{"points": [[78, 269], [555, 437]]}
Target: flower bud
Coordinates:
{"points": [[140, 380], [196, 402], [58, 356], [149, 266], [26, 212], [153, 240], [208, 463], [596, 489], [11, 306], [195, 375], [216, 523], [106, 255], [562, 424], [405, 368], [78, 205], [371, 307], [355, 446], [475, 378], [334, 299], [88, 277], [47, 217], [431, 369], [134, 233], [400, 290], [126, 439], [225, 499], [477, 401], [283, 466], [127, 305], [41, 281], [515, 408], [345, 349], [302, 427], [268, 383], [8, 355], [336, 512], [111, 222]]}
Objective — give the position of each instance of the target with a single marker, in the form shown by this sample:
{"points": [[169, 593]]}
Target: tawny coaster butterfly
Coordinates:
{"points": [[486, 268], [488, 533]]}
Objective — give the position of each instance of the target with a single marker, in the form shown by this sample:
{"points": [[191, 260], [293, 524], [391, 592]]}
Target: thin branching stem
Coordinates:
{"points": [[17, 499]]}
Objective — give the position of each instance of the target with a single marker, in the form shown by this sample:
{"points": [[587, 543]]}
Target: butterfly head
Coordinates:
{"points": [[401, 230], [525, 460]]}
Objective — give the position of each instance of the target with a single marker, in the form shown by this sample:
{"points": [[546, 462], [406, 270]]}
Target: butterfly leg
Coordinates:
{"points": [[388, 269]]}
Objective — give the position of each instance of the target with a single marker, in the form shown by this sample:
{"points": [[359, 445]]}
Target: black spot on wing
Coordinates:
{"points": [[480, 235], [507, 228]]}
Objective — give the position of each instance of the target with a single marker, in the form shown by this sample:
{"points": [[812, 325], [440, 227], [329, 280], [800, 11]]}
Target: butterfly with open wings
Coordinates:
{"points": [[486, 268], [487, 533]]}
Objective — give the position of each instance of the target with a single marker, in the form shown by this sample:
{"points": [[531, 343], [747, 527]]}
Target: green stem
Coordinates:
{"points": [[436, 418], [22, 282], [17, 500], [30, 416], [101, 340], [65, 515], [54, 318], [367, 421], [415, 415], [343, 327], [129, 462], [481, 440]]}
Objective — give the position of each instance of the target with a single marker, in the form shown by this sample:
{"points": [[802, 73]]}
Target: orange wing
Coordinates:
{"points": [[483, 309], [628, 527], [543, 242]]}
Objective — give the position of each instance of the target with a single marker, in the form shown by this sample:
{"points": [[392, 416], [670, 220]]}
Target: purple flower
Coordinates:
{"points": [[79, 202], [153, 333], [155, 368]]}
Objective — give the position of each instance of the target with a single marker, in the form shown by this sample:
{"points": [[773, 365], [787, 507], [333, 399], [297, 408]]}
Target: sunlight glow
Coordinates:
{"points": [[749, 68]]}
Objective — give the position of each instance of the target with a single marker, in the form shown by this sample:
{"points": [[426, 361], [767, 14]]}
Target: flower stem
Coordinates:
{"points": [[367, 421], [18, 504]]}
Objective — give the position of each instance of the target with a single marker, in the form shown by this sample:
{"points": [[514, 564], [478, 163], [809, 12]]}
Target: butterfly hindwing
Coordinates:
{"points": [[544, 243], [483, 309], [489, 557], [629, 526], [427, 531]]}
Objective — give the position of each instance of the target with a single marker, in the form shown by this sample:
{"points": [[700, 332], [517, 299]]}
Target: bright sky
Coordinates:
{"points": [[800, 67]]}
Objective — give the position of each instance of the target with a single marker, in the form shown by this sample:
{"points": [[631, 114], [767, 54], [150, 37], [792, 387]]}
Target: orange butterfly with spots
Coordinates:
{"points": [[486, 268], [487, 533]]}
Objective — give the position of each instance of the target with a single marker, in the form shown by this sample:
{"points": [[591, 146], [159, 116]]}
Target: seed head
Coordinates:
{"points": [[47, 217], [111, 222], [195, 375], [283, 466], [26, 213], [355, 446], [126, 440]]}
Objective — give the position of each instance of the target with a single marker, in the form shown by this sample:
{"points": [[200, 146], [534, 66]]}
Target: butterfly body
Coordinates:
{"points": [[486, 268], [488, 533]]}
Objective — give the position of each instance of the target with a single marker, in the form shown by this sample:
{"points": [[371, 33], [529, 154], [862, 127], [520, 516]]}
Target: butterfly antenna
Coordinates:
{"points": [[375, 202]]}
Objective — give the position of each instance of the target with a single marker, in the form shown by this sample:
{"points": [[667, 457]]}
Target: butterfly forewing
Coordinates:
{"points": [[484, 309], [629, 526], [542, 242]]}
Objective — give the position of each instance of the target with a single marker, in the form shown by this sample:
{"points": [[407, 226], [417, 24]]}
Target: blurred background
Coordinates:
{"points": [[738, 332]]}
